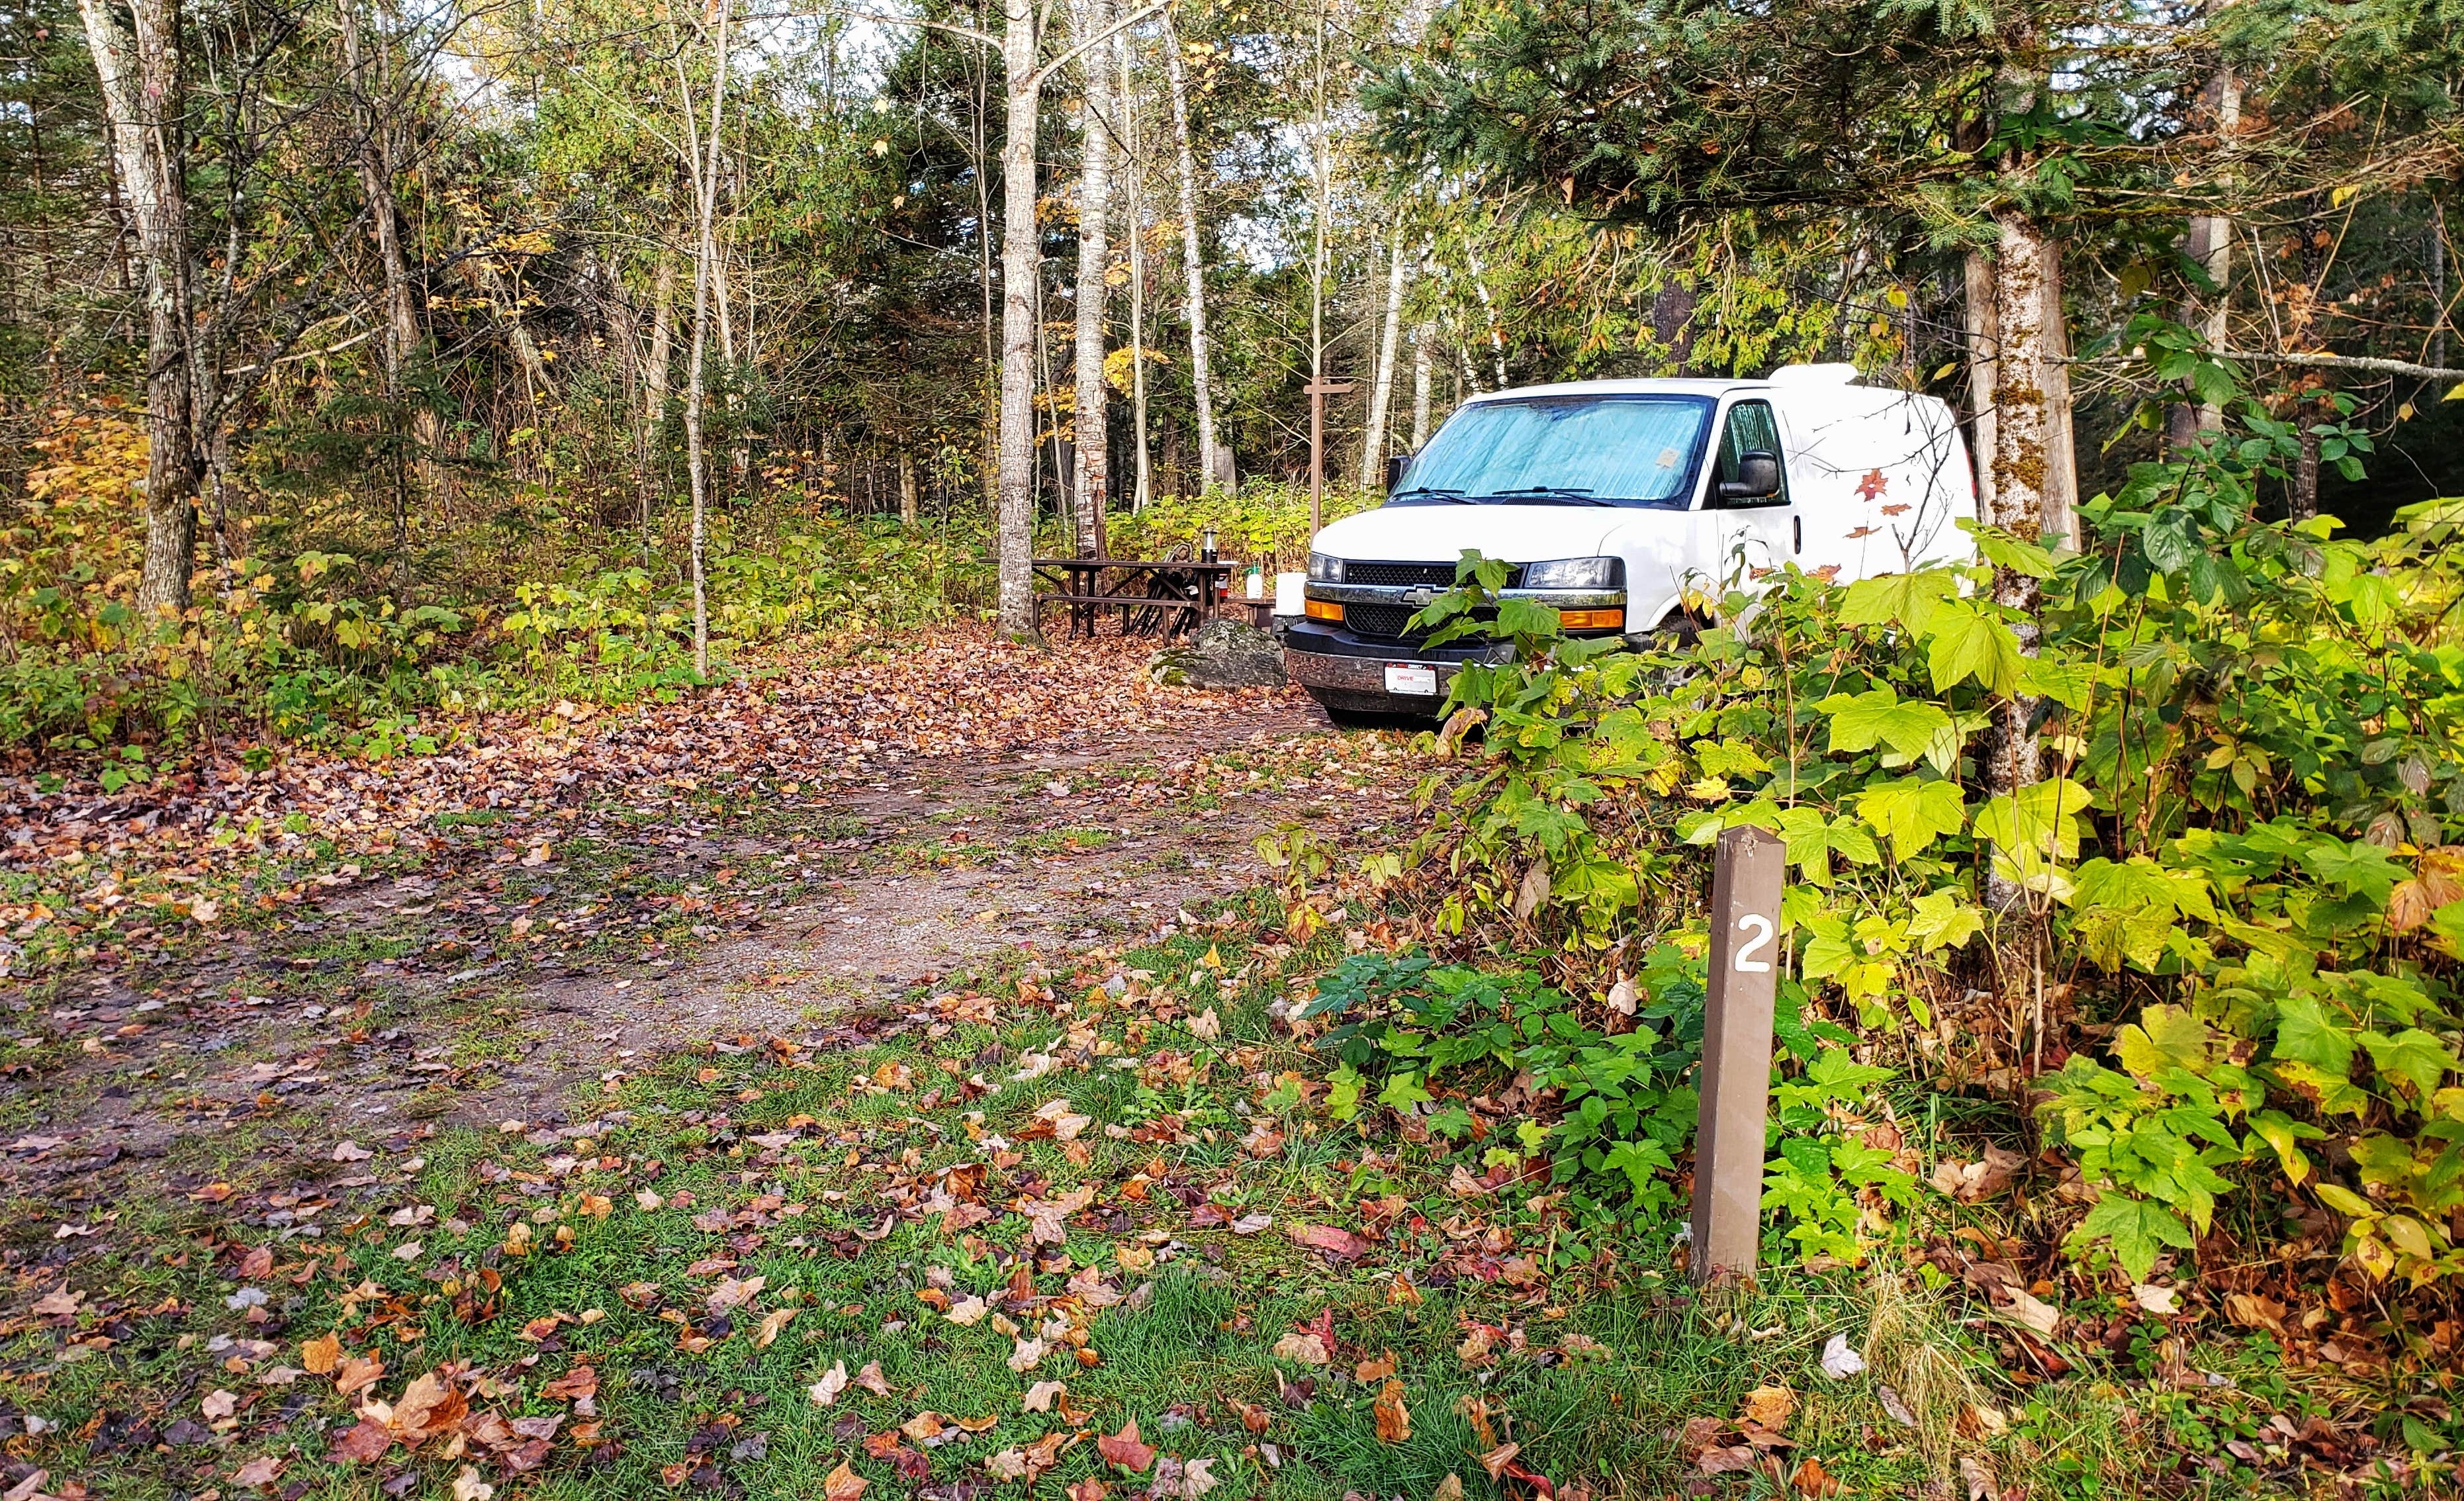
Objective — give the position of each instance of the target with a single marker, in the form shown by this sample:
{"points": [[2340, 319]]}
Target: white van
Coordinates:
{"points": [[1621, 503]]}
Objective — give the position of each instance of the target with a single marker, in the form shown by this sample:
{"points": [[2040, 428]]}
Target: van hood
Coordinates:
{"points": [[1512, 533]]}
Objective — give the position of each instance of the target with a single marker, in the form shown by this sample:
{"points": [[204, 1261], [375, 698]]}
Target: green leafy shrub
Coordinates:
{"points": [[2252, 741]]}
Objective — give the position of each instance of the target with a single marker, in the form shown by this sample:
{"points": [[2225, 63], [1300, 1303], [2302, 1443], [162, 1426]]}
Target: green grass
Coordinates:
{"points": [[1185, 1359]]}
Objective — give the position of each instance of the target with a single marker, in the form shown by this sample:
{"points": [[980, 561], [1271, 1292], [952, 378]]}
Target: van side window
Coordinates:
{"points": [[1750, 428]]}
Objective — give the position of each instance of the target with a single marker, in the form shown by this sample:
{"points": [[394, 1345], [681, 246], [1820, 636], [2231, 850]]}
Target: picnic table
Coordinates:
{"points": [[1167, 594]]}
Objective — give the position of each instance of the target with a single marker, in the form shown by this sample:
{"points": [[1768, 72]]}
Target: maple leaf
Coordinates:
{"points": [[771, 1323], [833, 1381], [843, 1484], [1394, 1419], [1873, 484], [871, 1378], [1305, 1349], [321, 1354], [1769, 1407], [364, 1442], [1123, 1448], [469, 1487], [259, 1471], [573, 1386], [966, 1310], [1335, 1242], [1045, 1216], [1039, 1396]]}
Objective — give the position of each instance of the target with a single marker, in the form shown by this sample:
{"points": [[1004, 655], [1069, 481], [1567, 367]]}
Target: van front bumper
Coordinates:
{"points": [[1348, 671]]}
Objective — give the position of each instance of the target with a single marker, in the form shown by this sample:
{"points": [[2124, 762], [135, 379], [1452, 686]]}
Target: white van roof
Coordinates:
{"points": [[1792, 376]]}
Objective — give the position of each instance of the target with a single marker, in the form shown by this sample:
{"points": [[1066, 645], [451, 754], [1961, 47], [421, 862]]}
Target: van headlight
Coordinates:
{"points": [[1574, 573], [1324, 569]]}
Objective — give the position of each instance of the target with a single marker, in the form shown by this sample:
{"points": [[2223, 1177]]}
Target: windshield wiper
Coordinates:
{"points": [[1567, 493], [1456, 496]]}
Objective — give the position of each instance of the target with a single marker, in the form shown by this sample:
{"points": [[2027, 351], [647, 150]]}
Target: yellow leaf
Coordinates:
{"points": [[2338, 197]]}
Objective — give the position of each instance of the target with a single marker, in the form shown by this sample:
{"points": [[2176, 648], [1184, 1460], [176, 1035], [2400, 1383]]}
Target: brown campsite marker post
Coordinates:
{"points": [[1737, 1052], [1318, 392]]}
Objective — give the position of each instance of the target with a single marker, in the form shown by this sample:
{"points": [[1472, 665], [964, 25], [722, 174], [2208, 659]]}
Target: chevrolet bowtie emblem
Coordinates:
{"points": [[1419, 596]]}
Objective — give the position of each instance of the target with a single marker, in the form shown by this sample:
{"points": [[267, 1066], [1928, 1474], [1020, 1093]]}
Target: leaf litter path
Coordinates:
{"points": [[554, 905]]}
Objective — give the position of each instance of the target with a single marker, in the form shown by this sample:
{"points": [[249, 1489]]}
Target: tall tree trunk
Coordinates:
{"points": [[1021, 256], [1421, 338], [142, 100], [1382, 384], [905, 487], [2024, 432], [2061, 450], [2304, 334], [1092, 436], [654, 386], [375, 162], [705, 263], [1984, 375], [1214, 464], [1132, 170], [2210, 243]]}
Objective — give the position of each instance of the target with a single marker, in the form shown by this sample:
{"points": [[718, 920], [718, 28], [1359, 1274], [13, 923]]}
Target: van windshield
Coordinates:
{"points": [[1623, 451]]}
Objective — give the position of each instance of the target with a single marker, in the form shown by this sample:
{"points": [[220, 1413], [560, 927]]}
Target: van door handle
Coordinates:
{"points": [[1800, 532]]}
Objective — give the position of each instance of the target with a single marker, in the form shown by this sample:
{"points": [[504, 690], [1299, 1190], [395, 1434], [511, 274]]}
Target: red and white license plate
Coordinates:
{"points": [[1412, 677]]}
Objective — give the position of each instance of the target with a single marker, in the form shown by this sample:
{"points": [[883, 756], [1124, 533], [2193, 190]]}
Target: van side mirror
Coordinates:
{"points": [[1397, 465], [1757, 478]]}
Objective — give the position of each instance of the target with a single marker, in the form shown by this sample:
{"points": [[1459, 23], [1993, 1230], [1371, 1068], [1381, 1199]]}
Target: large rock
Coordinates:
{"points": [[1223, 654]]}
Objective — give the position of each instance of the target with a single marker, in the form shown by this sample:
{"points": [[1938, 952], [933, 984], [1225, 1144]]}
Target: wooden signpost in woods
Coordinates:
{"points": [[1318, 392], [1737, 1052]]}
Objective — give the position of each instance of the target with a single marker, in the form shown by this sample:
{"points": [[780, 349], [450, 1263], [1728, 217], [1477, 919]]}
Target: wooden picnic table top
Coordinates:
{"points": [[1182, 564]]}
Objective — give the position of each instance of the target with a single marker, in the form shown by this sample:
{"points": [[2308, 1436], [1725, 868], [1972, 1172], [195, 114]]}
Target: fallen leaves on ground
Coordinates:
{"points": [[1394, 1419], [1123, 1449]]}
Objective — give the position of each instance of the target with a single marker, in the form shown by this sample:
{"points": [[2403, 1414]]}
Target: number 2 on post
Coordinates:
{"points": [[1745, 963]]}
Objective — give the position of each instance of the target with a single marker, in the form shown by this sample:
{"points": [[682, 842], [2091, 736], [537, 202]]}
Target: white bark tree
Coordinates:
{"points": [[1422, 338], [1373, 446], [1093, 452], [1133, 166], [705, 174], [1212, 465]]}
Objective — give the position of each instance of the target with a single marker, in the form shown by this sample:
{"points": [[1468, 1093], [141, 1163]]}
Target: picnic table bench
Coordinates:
{"points": [[1167, 594]]}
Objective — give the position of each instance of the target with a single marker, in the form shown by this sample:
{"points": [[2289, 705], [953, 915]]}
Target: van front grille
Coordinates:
{"points": [[1406, 575], [1377, 619]]}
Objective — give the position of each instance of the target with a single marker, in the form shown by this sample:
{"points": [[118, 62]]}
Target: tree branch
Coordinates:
{"points": [[1034, 80], [2346, 362]]}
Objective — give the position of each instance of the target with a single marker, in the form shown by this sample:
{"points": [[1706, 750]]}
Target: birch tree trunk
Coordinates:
{"points": [[1131, 166], [1021, 253], [1212, 463], [1381, 385], [1093, 441], [906, 487], [143, 99], [2210, 243], [1421, 338], [654, 386], [705, 262]]}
